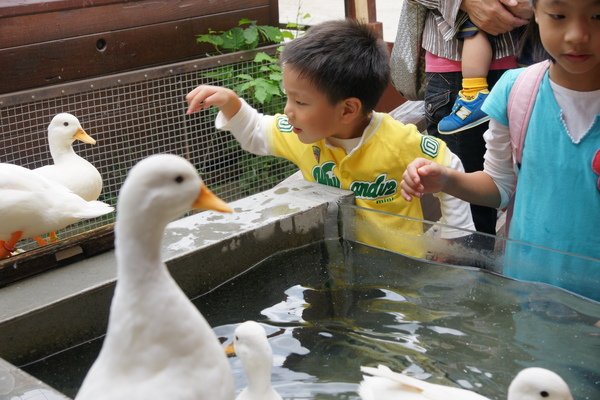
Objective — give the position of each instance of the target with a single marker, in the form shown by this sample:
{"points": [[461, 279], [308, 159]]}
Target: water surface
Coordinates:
{"points": [[330, 308]]}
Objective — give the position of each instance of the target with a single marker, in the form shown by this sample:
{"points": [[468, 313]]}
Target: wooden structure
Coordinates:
{"points": [[364, 10], [55, 41]]}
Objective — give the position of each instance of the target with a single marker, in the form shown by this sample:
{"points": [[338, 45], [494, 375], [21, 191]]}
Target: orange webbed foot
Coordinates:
{"points": [[40, 241], [8, 247]]}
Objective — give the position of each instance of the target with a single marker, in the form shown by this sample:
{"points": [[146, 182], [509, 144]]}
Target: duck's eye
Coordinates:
{"points": [[179, 179], [543, 393], [236, 338], [65, 123]]}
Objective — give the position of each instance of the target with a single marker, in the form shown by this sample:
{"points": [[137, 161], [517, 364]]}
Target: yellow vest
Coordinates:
{"points": [[373, 171]]}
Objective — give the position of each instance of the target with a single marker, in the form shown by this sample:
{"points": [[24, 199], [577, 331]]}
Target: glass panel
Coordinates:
{"points": [[422, 239]]}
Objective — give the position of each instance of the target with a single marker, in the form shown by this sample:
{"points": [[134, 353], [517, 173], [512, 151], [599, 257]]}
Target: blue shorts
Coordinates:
{"points": [[467, 29]]}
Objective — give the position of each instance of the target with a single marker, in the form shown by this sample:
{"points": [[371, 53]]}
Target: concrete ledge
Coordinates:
{"points": [[18, 385]]}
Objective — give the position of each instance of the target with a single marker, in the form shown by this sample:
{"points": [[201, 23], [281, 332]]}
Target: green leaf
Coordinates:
{"points": [[246, 21], [260, 94], [239, 89], [212, 39], [287, 35], [233, 39], [271, 33], [275, 76], [245, 77], [262, 56], [251, 37]]}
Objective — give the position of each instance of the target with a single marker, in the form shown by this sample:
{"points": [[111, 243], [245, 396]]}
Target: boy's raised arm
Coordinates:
{"points": [[205, 96]]}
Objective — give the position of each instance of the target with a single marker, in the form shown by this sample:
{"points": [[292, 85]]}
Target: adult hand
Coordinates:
{"points": [[492, 16], [519, 8]]}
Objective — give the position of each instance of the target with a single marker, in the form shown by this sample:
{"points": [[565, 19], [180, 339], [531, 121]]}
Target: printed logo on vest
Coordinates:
{"points": [[324, 174], [283, 124], [380, 187], [430, 146], [317, 153]]}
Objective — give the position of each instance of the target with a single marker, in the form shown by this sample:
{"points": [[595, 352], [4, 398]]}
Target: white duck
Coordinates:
{"points": [[382, 383], [158, 345], [31, 205], [69, 169], [250, 344]]}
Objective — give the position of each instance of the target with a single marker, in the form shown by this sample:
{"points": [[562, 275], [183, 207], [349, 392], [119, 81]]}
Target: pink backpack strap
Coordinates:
{"points": [[520, 105]]}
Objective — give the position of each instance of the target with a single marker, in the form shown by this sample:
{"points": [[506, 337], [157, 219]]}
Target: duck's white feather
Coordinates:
{"points": [[253, 349], [538, 384], [35, 205], [69, 169], [382, 383], [158, 345]]}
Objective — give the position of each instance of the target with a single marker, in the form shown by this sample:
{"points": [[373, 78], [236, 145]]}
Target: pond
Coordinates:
{"points": [[335, 305]]}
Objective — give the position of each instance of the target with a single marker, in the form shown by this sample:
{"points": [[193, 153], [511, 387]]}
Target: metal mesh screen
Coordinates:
{"points": [[137, 114]]}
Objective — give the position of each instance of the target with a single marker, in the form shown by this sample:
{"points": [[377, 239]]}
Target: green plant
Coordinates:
{"points": [[246, 36], [262, 82], [259, 83]]}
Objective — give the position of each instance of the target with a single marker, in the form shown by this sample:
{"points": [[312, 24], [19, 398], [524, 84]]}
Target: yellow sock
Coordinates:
{"points": [[472, 86]]}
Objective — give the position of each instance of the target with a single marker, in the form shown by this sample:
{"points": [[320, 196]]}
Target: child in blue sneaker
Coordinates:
{"points": [[476, 59], [475, 63]]}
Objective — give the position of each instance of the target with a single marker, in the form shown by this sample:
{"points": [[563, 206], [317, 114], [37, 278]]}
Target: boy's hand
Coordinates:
{"points": [[205, 96], [422, 176]]}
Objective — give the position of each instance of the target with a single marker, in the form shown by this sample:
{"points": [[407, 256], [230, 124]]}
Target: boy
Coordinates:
{"points": [[334, 76]]}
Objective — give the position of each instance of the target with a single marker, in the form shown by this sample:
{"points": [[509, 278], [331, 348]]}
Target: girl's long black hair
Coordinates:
{"points": [[530, 46]]}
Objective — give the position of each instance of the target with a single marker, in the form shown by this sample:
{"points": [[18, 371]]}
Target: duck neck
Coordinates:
{"points": [[137, 248], [60, 150], [259, 376]]}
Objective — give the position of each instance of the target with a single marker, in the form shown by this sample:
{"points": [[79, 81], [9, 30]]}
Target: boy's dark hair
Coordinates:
{"points": [[343, 58]]}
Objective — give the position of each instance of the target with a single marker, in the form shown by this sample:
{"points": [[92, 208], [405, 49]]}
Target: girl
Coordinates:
{"points": [[557, 196]]}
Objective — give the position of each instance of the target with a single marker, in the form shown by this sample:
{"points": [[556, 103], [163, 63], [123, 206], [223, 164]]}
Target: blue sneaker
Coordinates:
{"points": [[465, 114]]}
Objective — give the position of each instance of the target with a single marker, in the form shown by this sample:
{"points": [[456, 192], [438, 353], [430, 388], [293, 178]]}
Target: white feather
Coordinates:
{"points": [[158, 346], [382, 383], [35, 205], [253, 349], [69, 169]]}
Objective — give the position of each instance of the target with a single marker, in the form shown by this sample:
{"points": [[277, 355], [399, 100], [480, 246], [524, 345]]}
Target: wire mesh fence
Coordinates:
{"points": [[137, 114]]}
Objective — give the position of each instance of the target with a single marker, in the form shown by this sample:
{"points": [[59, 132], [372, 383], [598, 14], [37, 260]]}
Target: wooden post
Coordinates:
{"points": [[365, 11]]}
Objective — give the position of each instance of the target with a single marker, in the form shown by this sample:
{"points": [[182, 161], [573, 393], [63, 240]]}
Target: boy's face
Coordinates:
{"points": [[309, 110]]}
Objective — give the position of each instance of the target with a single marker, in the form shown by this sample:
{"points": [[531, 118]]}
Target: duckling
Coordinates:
{"points": [[250, 344]]}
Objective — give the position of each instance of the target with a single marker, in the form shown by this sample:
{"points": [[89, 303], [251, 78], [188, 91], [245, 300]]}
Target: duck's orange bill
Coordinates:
{"points": [[84, 137], [207, 200], [230, 350]]}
